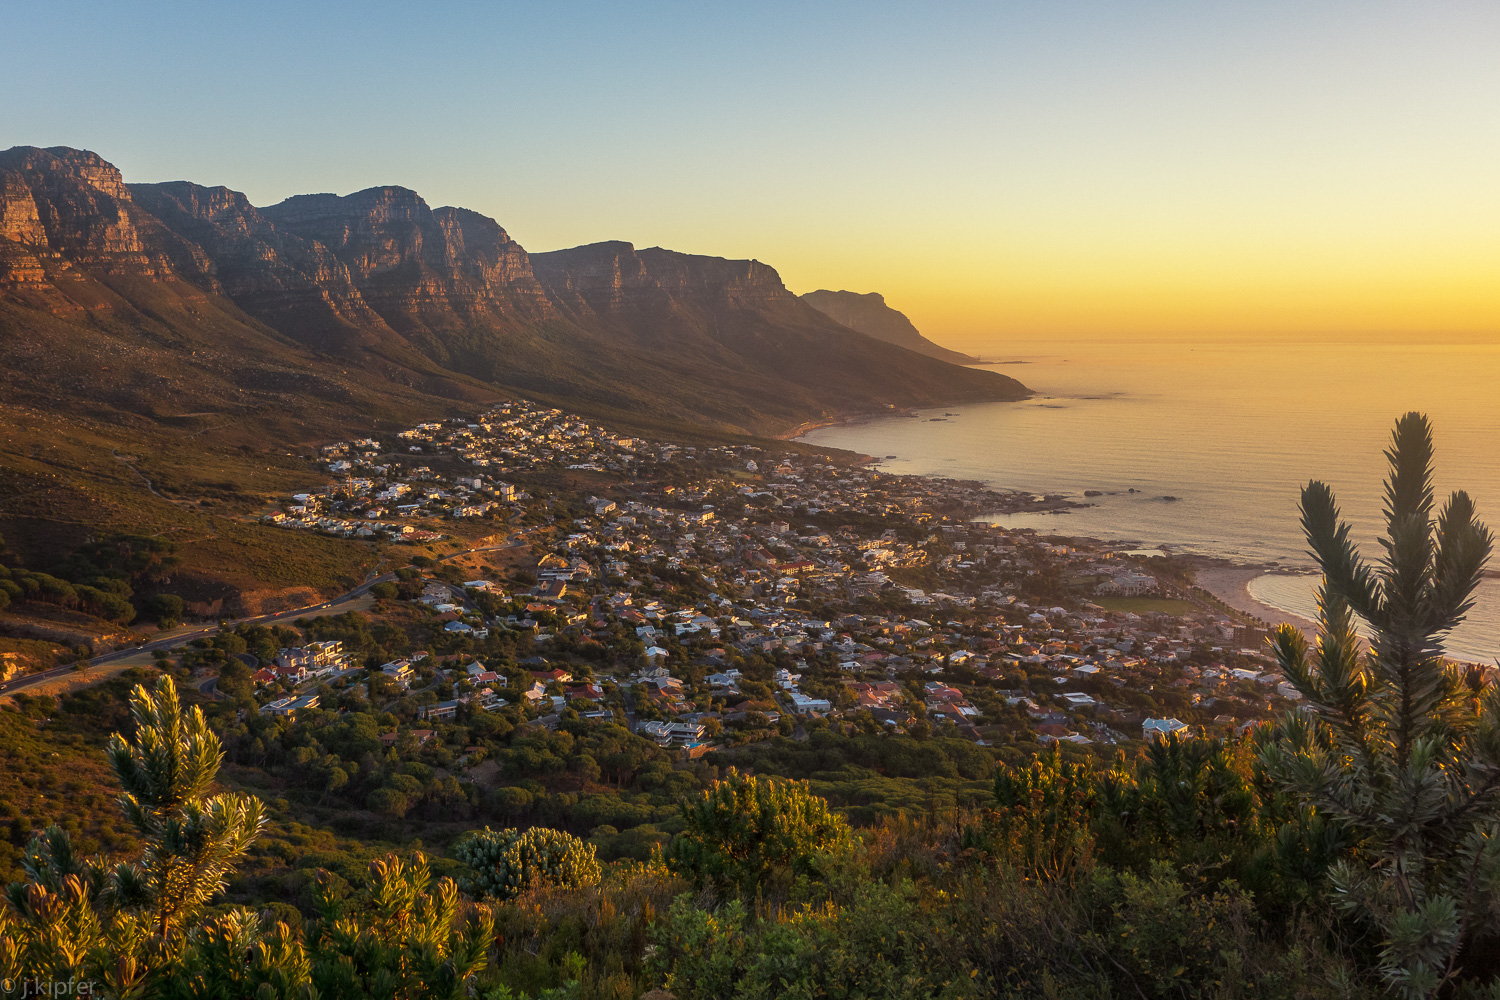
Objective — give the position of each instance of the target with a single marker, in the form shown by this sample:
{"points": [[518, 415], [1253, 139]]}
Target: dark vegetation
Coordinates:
{"points": [[1348, 850]]}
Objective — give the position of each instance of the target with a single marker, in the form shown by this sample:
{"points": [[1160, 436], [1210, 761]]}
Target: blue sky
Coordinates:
{"points": [[996, 169]]}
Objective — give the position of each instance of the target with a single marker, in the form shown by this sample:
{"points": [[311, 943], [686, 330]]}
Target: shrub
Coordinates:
{"points": [[1400, 748], [746, 827], [508, 862]]}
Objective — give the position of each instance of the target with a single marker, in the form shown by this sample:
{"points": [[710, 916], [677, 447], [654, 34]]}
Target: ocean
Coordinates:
{"points": [[1231, 431]]}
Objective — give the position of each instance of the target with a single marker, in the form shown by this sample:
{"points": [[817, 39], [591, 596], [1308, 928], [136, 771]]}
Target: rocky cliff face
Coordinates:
{"points": [[715, 281], [737, 315], [419, 269], [600, 277], [67, 207], [870, 315], [288, 282], [658, 295], [384, 283], [611, 275]]}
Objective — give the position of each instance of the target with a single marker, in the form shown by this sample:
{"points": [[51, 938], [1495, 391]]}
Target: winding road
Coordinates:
{"points": [[179, 638]]}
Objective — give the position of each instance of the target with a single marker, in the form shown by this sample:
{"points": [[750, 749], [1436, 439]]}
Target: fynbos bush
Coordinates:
{"points": [[507, 862]]}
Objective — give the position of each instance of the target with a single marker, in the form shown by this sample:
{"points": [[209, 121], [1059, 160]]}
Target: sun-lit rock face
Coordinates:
{"points": [[68, 206], [379, 278]]}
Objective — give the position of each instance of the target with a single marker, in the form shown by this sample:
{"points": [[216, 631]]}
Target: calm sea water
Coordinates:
{"points": [[1231, 431]]}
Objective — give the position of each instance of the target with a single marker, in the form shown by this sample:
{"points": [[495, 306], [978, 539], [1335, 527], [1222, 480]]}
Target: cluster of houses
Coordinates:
{"points": [[881, 594]]}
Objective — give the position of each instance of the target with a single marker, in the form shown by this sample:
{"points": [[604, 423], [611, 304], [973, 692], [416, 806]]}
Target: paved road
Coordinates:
{"points": [[211, 630]]}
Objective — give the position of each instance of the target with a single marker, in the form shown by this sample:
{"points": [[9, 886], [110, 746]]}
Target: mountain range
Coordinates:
{"points": [[176, 297], [170, 354]]}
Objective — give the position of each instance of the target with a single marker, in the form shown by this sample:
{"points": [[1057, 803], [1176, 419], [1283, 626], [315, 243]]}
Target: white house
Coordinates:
{"points": [[804, 704], [399, 671], [666, 732]]}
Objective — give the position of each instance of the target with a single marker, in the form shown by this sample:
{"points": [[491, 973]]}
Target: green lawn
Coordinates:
{"points": [[1146, 605]]}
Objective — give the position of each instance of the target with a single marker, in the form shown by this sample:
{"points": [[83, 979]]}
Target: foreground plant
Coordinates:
{"points": [[1399, 746], [746, 828], [75, 918], [141, 930], [508, 862]]}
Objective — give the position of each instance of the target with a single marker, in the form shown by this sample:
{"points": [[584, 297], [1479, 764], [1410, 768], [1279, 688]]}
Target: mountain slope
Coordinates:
{"points": [[423, 298], [166, 350], [737, 315], [870, 315]]}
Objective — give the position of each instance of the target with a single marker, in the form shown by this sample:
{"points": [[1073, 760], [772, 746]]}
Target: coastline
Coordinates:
{"points": [[837, 419], [1230, 583], [1225, 580]]}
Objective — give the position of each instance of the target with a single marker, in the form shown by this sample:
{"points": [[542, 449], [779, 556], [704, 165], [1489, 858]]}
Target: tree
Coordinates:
{"points": [[1400, 748], [389, 801], [125, 925], [166, 609], [236, 681], [745, 827], [1044, 811], [508, 862], [193, 840]]}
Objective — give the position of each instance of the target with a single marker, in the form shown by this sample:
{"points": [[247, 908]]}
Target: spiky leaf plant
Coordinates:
{"points": [[193, 839], [1398, 745], [122, 928], [508, 862]]}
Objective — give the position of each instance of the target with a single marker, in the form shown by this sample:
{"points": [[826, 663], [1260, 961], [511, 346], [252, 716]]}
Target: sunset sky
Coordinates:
{"points": [[996, 170]]}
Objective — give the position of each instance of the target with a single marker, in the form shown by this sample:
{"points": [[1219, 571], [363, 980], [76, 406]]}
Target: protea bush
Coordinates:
{"points": [[508, 862]]}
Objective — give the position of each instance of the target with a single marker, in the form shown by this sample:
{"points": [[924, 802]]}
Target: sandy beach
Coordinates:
{"points": [[1230, 584]]}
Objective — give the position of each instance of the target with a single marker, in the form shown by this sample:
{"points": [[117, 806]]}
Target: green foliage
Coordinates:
{"points": [[402, 937], [193, 840], [126, 925], [508, 862], [140, 929], [406, 937], [1401, 749], [235, 681], [988, 933], [746, 827], [1187, 800], [164, 609], [1044, 813]]}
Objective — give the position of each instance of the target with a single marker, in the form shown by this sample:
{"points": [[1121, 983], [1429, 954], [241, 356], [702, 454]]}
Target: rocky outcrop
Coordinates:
{"points": [[610, 276], [419, 269], [293, 284], [69, 207], [870, 315], [600, 278], [738, 314], [714, 280]]}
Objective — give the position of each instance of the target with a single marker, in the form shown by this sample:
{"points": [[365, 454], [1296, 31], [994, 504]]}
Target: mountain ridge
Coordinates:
{"points": [[170, 345], [869, 313], [381, 280]]}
